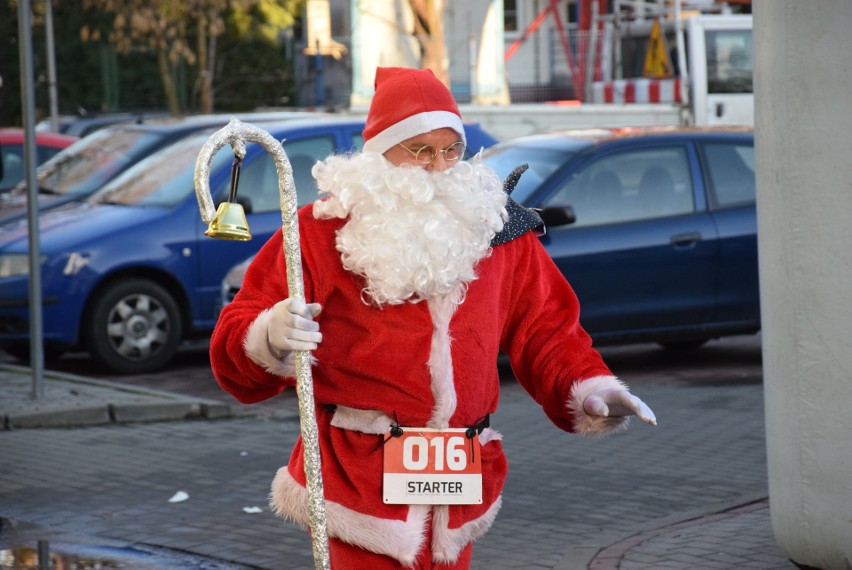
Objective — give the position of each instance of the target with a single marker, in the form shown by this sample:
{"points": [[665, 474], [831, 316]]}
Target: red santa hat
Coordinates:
{"points": [[407, 103]]}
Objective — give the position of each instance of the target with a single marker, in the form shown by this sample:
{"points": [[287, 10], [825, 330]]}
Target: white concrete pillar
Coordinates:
{"points": [[377, 41], [380, 38], [803, 128], [491, 87]]}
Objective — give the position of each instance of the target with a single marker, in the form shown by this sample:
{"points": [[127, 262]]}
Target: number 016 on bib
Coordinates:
{"points": [[432, 467]]}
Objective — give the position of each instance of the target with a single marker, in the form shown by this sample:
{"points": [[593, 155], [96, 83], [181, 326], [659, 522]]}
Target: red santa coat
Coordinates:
{"points": [[428, 364]]}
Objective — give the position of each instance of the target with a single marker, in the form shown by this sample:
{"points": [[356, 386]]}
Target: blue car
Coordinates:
{"points": [[654, 228], [85, 166], [128, 274]]}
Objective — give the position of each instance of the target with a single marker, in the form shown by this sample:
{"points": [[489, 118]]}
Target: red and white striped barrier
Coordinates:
{"points": [[639, 90]]}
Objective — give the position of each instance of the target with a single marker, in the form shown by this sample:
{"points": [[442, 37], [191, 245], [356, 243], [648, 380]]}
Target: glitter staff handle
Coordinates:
{"points": [[236, 134]]}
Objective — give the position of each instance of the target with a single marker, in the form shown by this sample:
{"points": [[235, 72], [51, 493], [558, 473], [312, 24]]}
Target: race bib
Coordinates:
{"points": [[426, 466]]}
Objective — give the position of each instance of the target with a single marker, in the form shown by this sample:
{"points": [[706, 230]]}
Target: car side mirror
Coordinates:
{"points": [[555, 216]]}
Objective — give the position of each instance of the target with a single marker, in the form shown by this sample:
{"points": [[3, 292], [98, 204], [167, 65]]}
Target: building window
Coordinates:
{"points": [[510, 15]]}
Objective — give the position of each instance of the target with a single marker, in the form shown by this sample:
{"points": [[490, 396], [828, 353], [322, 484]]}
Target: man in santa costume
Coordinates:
{"points": [[418, 270]]}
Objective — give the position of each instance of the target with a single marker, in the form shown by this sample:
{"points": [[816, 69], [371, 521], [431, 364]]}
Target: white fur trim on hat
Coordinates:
{"points": [[413, 126]]}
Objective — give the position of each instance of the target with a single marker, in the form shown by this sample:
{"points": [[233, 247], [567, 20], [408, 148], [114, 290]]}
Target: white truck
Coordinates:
{"points": [[710, 67]]}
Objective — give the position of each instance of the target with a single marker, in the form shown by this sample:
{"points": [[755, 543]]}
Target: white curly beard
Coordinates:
{"points": [[411, 234]]}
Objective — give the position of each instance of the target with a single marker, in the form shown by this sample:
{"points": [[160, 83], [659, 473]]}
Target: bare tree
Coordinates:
{"points": [[429, 31]]}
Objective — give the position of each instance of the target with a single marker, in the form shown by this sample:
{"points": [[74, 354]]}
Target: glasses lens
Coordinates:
{"points": [[454, 152], [426, 154]]}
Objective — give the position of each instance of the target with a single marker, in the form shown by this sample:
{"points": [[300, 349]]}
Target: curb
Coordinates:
{"points": [[75, 401]]}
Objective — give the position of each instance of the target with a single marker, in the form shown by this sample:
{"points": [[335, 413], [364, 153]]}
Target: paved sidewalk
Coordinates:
{"points": [[108, 461], [73, 401]]}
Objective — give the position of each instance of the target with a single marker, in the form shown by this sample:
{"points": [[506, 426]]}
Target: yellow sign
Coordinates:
{"points": [[658, 64]]}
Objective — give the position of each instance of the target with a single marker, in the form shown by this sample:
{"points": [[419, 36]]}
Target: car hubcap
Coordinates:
{"points": [[137, 327]]}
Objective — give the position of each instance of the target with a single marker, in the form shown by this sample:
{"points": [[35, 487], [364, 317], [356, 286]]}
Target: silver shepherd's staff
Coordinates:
{"points": [[229, 222]]}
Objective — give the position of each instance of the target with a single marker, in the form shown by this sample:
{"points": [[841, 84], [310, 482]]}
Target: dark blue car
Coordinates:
{"points": [[128, 274], [663, 242]]}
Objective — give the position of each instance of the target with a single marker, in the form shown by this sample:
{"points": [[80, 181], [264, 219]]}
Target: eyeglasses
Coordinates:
{"points": [[426, 154]]}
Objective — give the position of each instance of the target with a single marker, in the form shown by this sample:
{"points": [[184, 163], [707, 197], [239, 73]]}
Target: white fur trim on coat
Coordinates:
{"points": [[489, 435], [372, 422], [448, 543], [401, 540], [585, 424], [256, 344], [441, 361]]}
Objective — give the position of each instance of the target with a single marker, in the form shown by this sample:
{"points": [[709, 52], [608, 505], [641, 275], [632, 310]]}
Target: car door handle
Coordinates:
{"points": [[685, 239]]}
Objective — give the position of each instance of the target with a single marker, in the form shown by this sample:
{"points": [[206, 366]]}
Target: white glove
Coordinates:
{"points": [[617, 402], [291, 327]]}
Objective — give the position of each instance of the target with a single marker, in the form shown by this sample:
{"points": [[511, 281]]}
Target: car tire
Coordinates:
{"points": [[684, 344], [134, 328]]}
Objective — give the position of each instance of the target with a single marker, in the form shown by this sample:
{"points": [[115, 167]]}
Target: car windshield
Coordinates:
{"points": [[542, 161], [163, 179], [87, 164]]}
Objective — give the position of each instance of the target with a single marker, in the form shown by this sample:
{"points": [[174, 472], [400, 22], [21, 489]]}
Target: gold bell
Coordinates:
{"points": [[230, 223]]}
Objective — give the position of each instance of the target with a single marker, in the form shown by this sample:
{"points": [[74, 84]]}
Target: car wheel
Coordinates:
{"points": [[135, 327], [684, 344]]}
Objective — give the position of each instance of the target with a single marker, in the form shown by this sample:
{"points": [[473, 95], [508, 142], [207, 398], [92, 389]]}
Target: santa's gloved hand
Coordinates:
{"points": [[610, 402], [291, 327]]}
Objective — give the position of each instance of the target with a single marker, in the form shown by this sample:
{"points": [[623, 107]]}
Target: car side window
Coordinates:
{"points": [[730, 169], [729, 61], [259, 179], [629, 185], [259, 184], [303, 155]]}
